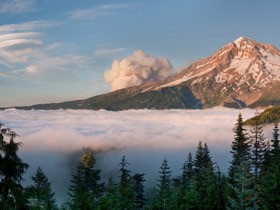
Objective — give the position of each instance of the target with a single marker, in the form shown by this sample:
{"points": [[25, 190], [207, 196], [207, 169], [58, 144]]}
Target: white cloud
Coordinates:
{"points": [[137, 69], [17, 6], [19, 47], [167, 129], [105, 52], [27, 26], [91, 13], [24, 53], [56, 66]]}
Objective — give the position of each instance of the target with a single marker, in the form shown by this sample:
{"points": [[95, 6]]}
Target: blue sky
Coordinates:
{"points": [[52, 51]]}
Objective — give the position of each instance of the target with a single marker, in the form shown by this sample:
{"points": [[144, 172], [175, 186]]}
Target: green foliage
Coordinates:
{"points": [[138, 185], [110, 198], [164, 186], [270, 115], [86, 188], [126, 191], [40, 195], [240, 149], [258, 148], [243, 191], [12, 169], [270, 175]]}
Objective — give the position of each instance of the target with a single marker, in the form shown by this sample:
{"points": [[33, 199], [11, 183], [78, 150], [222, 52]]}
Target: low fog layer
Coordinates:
{"points": [[136, 69], [54, 139]]}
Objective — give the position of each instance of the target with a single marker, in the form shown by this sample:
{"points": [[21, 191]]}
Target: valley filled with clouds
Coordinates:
{"points": [[54, 140]]}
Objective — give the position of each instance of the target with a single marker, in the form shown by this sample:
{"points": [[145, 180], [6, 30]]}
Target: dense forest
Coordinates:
{"points": [[252, 181]]}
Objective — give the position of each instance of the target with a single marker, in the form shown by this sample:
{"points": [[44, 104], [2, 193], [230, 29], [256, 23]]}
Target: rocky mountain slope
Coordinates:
{"points": [[244, 73]]}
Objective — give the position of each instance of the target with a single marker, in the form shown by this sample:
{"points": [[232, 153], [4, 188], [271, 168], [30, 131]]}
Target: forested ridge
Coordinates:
{"points": [[252, 181]]}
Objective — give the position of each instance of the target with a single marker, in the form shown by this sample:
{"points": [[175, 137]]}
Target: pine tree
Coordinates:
{"points": [[258, 148], [205, 178], [270, 176], [275, 151], [40, 195], [187, 171], [243, 191], [86, 189], [125, 186], [12, 169], [139, 197], [110, 199], [164, 186], [240, 149]]}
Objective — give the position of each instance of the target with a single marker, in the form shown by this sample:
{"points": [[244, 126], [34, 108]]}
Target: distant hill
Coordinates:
{"points": [[270, 115]]}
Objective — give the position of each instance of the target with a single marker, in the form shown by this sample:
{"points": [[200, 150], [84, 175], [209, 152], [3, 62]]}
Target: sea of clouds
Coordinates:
{"points": [[54, 140]]}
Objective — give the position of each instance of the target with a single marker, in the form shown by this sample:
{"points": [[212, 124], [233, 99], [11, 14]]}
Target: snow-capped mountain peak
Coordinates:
{"points": [[243, 68]]}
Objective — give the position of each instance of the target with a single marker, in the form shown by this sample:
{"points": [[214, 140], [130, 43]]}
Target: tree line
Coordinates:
{"points": [[252, 181]]}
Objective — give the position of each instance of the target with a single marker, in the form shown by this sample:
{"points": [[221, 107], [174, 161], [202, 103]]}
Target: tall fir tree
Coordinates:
{"points": [[270, 175], [275, 144], [86, 187], [205, 178], [164, 186], [40, 195], [187, 174], [139, 197], [243, 192], [12, 168], [110, 199], [126, 191], [258, 148], [240, 149]]}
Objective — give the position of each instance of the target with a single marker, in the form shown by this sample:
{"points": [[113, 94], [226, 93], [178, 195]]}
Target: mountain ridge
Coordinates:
{"points": [[243, 73]]}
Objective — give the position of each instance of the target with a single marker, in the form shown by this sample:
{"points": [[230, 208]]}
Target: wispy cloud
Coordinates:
{"points": [[105, 52], [19, 47], [17, 6], [27, 26], [24, 52], [90, 13]]}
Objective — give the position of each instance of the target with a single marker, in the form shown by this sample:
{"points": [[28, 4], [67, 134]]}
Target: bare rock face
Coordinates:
{"points": [[239, 74]]}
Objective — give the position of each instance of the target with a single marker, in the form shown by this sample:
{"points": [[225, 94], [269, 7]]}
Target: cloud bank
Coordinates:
{"points": [[54, 139], [136, 69]]}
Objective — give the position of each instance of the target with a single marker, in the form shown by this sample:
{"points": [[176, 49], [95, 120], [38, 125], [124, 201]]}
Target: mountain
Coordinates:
{"points": [[270, 115], [244, 73]]}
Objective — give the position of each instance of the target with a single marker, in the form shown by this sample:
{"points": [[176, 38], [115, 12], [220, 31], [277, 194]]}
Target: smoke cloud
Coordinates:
{"points": [[137, 69]]}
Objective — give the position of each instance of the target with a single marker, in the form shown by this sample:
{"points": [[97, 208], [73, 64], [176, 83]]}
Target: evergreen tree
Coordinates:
{"points": [[243, 191], [125, 186], [40, 195], [86, 188], [139, 197], [270, 176], [205, 178], [240, 149], [187, 171], [275, 151], [258, 148], [12, 169], [164, 186], [110, 199], [191, 198]]}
